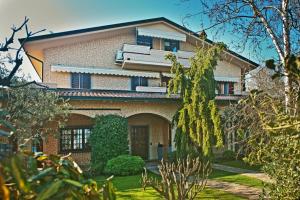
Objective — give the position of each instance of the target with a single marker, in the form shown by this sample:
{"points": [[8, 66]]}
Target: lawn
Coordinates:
{"points": [[129, 187], [240, 164], [235, 178]]}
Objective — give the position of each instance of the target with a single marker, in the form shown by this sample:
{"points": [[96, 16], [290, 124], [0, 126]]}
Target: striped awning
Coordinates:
{"points": [[161, 34], [227, 79], [104, 71]]}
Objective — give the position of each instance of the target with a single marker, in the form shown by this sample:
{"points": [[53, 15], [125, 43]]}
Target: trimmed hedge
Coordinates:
{"points": [[109, 138], [124, 165]]}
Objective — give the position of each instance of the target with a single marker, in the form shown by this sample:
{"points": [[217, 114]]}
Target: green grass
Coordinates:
{"points": [[240, 164], [235, 178], [129, 187]]}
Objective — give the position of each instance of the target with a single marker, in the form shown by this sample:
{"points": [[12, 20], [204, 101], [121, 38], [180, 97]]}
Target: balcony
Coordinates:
{"points": [[132, 56]]}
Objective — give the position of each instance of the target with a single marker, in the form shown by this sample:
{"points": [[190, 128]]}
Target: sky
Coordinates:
{"points": [[63, 15]]}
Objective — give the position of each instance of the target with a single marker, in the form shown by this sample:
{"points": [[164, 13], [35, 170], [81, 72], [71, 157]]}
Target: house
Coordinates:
{"points": [[121, 69]]}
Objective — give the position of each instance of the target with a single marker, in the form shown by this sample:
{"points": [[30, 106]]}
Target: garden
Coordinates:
{"points": [[265, 124]]}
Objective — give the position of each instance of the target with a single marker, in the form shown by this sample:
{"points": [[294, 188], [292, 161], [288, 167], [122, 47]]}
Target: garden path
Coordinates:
{"points": [[244, 172]]}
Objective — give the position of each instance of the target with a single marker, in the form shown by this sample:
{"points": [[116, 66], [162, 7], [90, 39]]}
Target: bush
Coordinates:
{"points": [[59, 178], [109, 138], [124, 165], [172, 156], [228, 155]]}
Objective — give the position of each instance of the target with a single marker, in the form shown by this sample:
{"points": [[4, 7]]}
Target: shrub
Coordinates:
{"points": [[172, 156], [109, 139], [191, 179], [125, 165], [228, 155], [59, 178]]}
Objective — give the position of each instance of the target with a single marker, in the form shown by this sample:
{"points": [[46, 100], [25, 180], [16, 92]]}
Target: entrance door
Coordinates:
{"points": [[139, 136]]}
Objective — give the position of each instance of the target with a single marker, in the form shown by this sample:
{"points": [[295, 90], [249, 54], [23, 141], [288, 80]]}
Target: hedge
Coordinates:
{"points": [[109, 139], [124, 165]]}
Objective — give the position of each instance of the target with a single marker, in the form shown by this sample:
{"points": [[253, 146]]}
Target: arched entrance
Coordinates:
{"points": [[150, 136]]}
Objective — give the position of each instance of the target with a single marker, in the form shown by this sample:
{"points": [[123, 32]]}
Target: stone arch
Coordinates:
{"points": [[150, 135], [75, 119], [158, 114]]}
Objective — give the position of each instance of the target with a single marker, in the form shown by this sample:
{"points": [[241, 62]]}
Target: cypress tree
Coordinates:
{"points": [[197, 119]]}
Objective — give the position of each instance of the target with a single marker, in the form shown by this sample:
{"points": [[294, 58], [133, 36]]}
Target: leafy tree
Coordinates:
{"points": [[109, 139], [197, 120], [34, 112], [270, 137]]}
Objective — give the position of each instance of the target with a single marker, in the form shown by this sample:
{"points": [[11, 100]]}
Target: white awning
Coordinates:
{"points": [[217, 78], [161, 34], [227, 79], [105, 71]]}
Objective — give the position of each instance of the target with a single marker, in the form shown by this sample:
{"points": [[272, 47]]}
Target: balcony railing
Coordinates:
{"points": [[138, 54]]}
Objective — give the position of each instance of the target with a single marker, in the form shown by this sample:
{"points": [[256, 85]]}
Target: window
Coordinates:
{"points": [[225, 88], [171, 45], [138, 81], [165, 81], [81, 81], [75, 139], [37, 144], [144, 40]]}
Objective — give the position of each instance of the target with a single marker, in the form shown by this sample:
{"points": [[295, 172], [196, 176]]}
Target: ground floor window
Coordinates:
{"points": [[75, 139], [37, 144]]}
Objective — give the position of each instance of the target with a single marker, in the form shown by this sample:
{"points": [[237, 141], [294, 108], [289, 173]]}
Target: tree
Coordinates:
{"points": [[26, 107], [197, 120], [34, 112], [13, 60], [270, 137], [261, 24]]}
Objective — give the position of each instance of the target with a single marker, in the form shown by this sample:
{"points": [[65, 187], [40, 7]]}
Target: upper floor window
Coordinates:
{"points": [[81, 81], [225, 88], [144, 40], [138, 81], [74, 139], [165, 81], [171, 45]]}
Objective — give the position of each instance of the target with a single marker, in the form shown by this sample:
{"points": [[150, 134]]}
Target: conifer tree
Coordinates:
{"points": [[197, 119]]}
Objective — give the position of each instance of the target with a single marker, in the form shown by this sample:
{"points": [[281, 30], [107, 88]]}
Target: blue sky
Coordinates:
{"points": [[62, 15]]}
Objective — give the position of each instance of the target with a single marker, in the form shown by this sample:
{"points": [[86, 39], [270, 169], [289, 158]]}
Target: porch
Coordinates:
{"points": [[150, 136]]}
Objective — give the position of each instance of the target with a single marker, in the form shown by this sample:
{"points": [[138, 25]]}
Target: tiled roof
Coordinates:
{"points": [[111, 94], [126, 95]]}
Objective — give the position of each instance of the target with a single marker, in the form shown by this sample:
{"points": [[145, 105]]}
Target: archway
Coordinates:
{"points": [[150, 136]]}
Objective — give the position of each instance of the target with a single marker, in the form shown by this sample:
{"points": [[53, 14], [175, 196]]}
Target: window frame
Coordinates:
{"points": [[140, 40], [172, 42], [225, 88], [81, 80], [140, 82], [85, 148]]}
